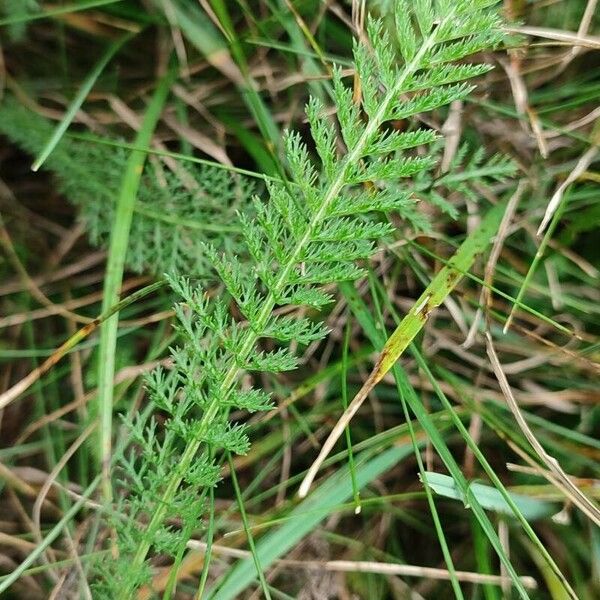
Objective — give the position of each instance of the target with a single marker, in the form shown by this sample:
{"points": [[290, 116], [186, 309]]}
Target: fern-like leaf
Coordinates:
{"points": [[173, 217], [312, 232]]}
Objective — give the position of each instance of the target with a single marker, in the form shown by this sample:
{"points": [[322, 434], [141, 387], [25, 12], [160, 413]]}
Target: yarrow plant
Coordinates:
{"points": [[313, 231], [175, 213]]}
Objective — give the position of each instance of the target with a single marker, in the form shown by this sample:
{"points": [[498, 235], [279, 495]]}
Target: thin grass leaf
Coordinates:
{"points": [[61, 10], [114, 275], [52, 535], [201, 32], [493, 477], [305, 517], [249, 536], [344, 375], [407, 391], [556, 217], [417, 451], [78, 100]]}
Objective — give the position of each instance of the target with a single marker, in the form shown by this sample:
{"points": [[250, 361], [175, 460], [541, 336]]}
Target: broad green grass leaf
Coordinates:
{"points": [[490, 498], [305, 517]]}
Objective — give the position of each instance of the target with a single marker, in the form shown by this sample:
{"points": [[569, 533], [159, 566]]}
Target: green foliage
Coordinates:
{"points": [[468, 175], [18, 11], [175, 212], [312, 232], [491, 498]]}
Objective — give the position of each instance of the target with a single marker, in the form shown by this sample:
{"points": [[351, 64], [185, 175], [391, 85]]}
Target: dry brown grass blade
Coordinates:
{"points": [[195, 562], [559, 35], [578, 498], [22, 386], [584, 26], [485, 299], [582, 164]]}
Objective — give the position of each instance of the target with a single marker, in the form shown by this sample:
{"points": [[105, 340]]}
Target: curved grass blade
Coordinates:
{"points": [[417, 451], [432, 431], [435, 293]]}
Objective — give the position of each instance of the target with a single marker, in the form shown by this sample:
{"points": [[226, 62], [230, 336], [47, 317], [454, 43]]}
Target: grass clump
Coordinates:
{"points": [[169, 448]]}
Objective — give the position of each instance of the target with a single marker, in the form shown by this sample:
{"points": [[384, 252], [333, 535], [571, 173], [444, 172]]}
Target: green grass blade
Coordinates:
{"points": [[248, 87], [114, 272], [430, 501], [490, 498], [305, 517], [176, 155], [50, 537], [537, 258], [344, 382], [377, 337], [482, 555], [76, 103], [252, 143], [205, 36], [209, 543], [435, 293], [249, 536], [60, 10], [468, 497]]}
